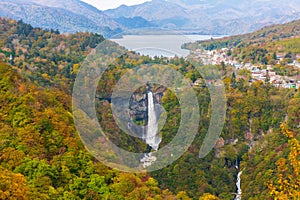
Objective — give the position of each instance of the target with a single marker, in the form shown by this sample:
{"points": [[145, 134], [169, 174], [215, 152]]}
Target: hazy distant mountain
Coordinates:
{"points": [[212, 16], [66, 15], [81, 8], [158, 12], [198, 16], [134, 23]]}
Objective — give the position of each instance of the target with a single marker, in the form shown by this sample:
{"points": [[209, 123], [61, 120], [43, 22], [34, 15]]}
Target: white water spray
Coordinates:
{"points": [[152, 138], [238, 185]]}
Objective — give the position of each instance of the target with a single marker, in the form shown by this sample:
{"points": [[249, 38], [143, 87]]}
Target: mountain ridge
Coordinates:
{"points": [[196, 17], [212, 17], [69, 16]]}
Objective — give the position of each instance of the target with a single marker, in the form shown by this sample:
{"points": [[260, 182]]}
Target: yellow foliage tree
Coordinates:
{"points": [[287, 185], [208, 196], [13, 186], [182, 196]]}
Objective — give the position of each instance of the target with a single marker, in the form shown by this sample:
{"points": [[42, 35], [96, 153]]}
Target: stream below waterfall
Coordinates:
{"points": [[238, 185]]}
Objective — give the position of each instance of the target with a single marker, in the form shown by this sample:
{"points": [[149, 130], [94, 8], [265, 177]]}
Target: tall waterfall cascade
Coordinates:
{"points": [[151, 137]]}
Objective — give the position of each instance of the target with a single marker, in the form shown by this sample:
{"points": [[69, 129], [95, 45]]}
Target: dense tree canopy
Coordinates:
{"points": [[42, 156]]}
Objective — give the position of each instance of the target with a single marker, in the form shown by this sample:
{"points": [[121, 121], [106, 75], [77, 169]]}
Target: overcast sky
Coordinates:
{"points": [[107, 4]]}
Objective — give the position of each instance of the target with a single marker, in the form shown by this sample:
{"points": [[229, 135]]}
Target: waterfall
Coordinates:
{"points": [[238, 185], [152, 138]]}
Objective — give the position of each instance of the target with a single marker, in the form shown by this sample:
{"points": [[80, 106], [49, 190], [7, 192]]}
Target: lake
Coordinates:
{"points": [[160, 45]]}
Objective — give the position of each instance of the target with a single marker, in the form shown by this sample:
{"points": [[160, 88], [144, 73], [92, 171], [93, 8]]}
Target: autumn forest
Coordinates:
{"points": [[43, 157]]}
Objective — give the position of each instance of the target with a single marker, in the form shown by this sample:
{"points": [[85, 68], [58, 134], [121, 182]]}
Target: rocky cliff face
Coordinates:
{"points": [[138, 103]]}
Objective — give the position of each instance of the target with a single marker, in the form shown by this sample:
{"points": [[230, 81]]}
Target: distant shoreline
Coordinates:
{"points": [[164, 32]]}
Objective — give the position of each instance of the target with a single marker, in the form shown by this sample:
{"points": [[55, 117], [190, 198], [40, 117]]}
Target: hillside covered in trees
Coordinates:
{"points": [[263, 46], [42, 156]]}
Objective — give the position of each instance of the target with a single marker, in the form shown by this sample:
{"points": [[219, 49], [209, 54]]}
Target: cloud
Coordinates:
{"points": [[108, 4]]}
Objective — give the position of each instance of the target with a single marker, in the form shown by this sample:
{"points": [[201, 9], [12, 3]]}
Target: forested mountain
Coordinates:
{"points": [[204, 17], [270, 34], [42, 156], [262, 46], [212, 17], [67, 16], [276, 155]]}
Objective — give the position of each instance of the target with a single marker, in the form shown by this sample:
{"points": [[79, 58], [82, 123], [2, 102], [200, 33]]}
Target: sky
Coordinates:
{"points": [[108, 4]]}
